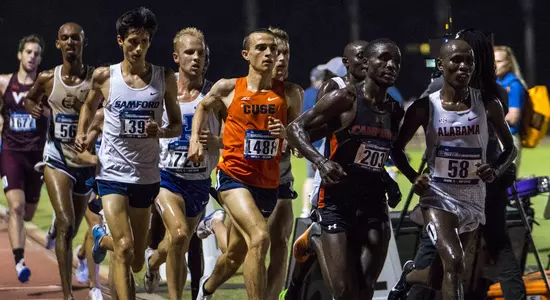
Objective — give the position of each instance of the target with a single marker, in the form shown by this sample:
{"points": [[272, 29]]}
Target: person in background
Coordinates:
{"points": [[509, 77]]}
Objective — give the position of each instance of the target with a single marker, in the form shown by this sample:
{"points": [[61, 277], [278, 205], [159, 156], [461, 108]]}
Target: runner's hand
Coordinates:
{"points": [[152, 128], [276, 127], [81, 142], [196, 150], [331, 172], [421, 184], [485, 172], [207, 139], [37, 111], [394, 193]]}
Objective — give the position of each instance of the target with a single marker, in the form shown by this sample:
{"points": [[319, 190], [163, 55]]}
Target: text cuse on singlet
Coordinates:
{"points": [[173, 154], [126, 153], [251, 154]]}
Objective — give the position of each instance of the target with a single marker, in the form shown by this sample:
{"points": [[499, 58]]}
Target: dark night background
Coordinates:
{"points": [[318, 30]]}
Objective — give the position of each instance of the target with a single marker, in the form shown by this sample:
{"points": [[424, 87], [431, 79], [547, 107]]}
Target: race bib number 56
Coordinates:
{"points": [[457, 165], [260, 144], [132, 123], [371, 157], [65, 127]]}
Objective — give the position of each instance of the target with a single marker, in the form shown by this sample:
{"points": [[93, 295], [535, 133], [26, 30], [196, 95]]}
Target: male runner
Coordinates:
{"points": [[128, 173], [23, 141], [452, 196], [280, 222], [65, 87], [361, 122], [248, 176], [184, 187]]}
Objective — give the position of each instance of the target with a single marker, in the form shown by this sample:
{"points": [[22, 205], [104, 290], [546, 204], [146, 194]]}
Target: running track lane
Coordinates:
{"points": [[44, 283]]}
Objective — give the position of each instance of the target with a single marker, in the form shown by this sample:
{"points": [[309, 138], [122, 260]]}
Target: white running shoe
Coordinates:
{"points": [[23, 272], [81, 271], [95, 294], [201, 295], [151, 279], [204, 228]]}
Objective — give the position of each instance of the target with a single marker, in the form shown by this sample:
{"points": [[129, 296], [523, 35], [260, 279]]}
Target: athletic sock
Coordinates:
{"points": [[18, 254], [206, 293]]}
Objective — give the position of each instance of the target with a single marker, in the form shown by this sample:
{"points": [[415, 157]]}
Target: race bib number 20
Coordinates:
{"points": [[132, 123], [65, 127], [371, 157], [260, 144], [457, 165]]}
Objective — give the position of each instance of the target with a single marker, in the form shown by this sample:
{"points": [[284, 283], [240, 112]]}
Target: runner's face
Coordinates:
{"points": [[261, 52], [70, 40], [135, 45], [190, 55], [280, 71], [357, 63], [502, 63], [384, 65], [458, 66], [30, 57]]}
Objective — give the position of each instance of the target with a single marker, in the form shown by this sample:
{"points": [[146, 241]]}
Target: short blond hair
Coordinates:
{"points": [[279, 33], [191, 31]]}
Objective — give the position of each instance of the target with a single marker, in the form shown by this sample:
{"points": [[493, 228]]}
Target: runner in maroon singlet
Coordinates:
{"points": [[23, 141]]}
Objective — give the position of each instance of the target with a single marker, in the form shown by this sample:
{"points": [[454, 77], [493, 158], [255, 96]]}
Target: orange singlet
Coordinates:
{"points": [[251, 155]]}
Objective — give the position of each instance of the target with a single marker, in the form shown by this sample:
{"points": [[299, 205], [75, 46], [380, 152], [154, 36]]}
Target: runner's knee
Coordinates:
{"points": [[235, 259], [17, 209], [64, 226], [453, 261], [259, 242], [179, 238], [124, 250], [342, 289]]}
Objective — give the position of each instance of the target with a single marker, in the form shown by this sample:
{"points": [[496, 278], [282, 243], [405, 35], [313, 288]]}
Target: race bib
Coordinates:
{"points": [[177, 159], [132, 123], [260, 144], [457, 165], [65, 127], [371, 157], [22, 122]]}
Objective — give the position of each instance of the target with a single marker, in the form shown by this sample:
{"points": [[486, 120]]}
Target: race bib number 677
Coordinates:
{"points": [[457, 165]]}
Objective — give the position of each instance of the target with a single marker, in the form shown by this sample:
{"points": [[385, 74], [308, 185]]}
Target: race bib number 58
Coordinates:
{"points": [[260, 144], [457, 165], [132, 123], [65, 127]]}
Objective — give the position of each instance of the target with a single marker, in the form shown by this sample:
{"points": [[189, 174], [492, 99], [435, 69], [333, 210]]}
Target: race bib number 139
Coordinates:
{"points": [[260, 144], [457, 165], [132, 123]]}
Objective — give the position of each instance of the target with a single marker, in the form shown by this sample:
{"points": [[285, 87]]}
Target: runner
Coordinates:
{"points": [[280, 222], [22, 144], [128, 175], [248, 175], [65, 88], [184, 187], [361, 121], [452, 196]]}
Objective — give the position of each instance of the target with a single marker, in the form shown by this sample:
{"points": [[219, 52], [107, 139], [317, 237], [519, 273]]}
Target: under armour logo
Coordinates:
{"points": [[331, 227]]}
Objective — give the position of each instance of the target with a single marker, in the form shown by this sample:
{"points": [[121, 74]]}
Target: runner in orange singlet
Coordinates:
{"points": [[258, 108]]}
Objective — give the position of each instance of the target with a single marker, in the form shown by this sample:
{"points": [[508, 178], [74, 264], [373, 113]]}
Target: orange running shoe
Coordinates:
{"points": [[301, 248]]}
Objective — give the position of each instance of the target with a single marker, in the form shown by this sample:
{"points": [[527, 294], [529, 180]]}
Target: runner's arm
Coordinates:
{"points": [[97, 126], [100, 77], [4, 81], [37, 91], [495, 115], [327, 110], [174, 127], [416, 116], [325, 88]]}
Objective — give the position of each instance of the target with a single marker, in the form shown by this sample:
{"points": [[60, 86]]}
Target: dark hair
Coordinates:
{"points": [[484, 76], [135, 19], [31, 38], [371, 46], [247, 37]]}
